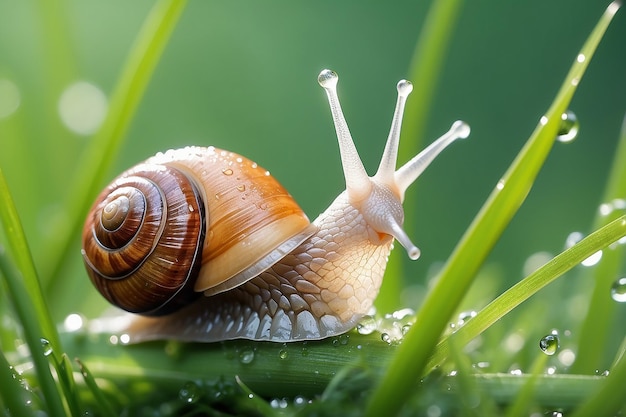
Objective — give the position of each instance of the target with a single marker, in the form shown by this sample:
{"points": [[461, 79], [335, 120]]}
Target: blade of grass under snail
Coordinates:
{"points": [[593, 339], [270, 374], [529, 286], [458, 273], [22, 302], [425, 67], [103, 148]]}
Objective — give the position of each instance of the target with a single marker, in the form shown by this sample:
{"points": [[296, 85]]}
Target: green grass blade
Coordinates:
{"points": [[426, 63], [459, 271], [12, 398], [424, 71], [65, 376], [529, 286], [594, 338], [21, 297], [101, 152], [104, 407], [608, 399], [16, 239], [524, 400]]}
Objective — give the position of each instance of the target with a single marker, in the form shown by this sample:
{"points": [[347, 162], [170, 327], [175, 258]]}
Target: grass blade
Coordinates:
{"points": [[12, 394], [529, 286], [101, 152], [594, 339], [459, 271], [608, 399], [41, 322], [21, 297], [104, 407]]}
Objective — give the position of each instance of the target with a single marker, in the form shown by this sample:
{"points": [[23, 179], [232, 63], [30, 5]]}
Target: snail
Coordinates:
{"points": [[205, 245]]}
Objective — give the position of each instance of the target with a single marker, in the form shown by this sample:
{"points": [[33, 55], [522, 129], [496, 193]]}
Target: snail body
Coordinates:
{"points": [[224, 252]]}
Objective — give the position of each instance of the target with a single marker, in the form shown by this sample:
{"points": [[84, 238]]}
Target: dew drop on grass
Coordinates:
{"points": [[593, 259], [283, 354], [568, 129], [189, 393], [618, 290], [367, 325], [47, 347], [246, 356], [465, 316], [549, 344]]}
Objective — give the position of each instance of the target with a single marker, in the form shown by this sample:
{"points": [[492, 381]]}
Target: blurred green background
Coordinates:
{"points": [[242, 76]]}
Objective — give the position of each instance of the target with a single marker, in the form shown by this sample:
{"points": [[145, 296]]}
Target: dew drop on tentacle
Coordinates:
{"points": [[327, 78]]}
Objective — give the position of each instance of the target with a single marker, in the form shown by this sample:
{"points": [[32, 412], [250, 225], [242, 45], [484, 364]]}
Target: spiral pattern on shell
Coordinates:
{"points": [[143, 238]]}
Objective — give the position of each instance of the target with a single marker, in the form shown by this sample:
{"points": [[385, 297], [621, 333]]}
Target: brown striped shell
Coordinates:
{"points": [[187, 221]]}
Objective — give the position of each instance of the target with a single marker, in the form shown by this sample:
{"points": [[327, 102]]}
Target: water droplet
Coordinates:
{"points": [[73, 322], [246, 356], [618, 290], [593, 259], [47, 347], [403, 313], [581, 58], [572, 239], [549, 344], [405, 329], [279, 403], [241, 188], [227, 171], [616, 204], [567, 357], [327, 78], [500, 185], [404, 87], [568, 129], [82, 107], [189, 393], [367, 325], [283, 354], [299, 400], [465, 316], [385, 338]]}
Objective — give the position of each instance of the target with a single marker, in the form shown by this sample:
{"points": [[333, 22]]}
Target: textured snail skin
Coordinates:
{"points": [[320, 289]]}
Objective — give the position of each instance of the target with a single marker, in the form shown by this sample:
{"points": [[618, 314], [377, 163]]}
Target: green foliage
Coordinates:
{"points": [[411, 364]]}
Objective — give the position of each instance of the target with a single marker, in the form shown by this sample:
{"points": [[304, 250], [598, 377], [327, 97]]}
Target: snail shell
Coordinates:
{"points": [[150, 224], [203, 220]]}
